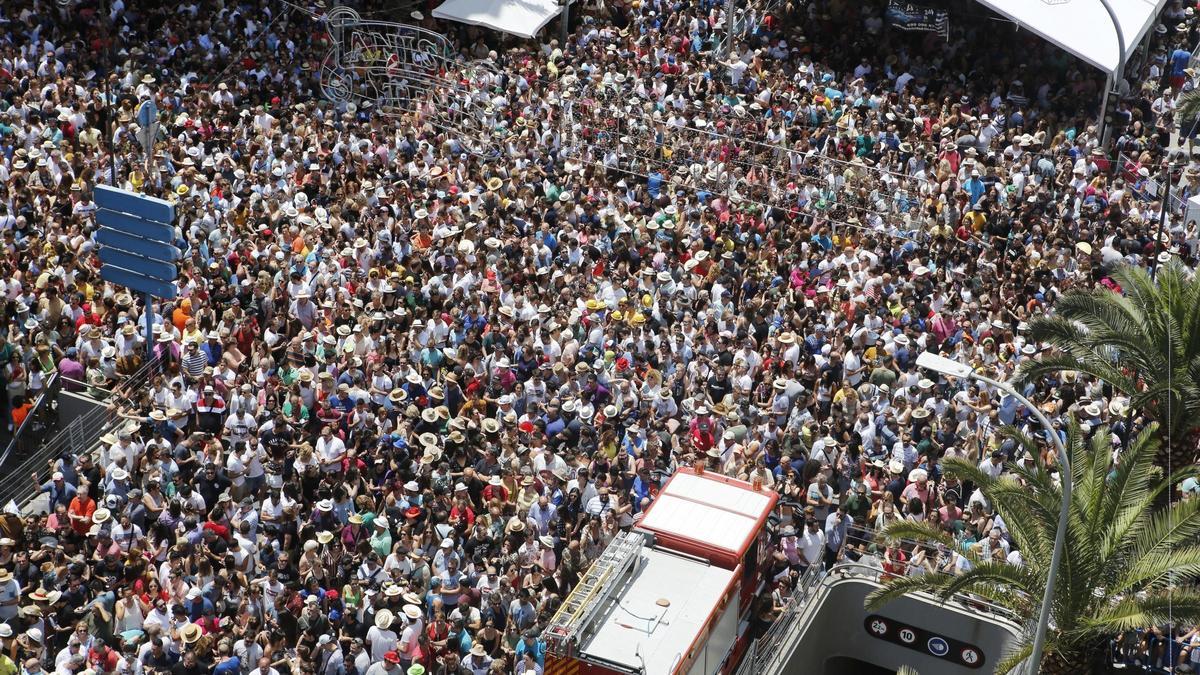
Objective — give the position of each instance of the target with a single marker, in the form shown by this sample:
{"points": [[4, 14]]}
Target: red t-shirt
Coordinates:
{"points": [[82, 506]]}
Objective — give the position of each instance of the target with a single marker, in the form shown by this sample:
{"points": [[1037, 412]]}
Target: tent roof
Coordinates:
{"points": [[1083, 27], [518, 17]]}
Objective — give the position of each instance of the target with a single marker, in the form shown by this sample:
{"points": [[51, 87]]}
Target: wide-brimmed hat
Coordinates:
{"points": [[191, 633], [384, 619]]}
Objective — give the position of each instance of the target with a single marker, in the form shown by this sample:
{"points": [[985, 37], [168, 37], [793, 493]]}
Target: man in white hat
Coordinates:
{"points": [[381, 639]]}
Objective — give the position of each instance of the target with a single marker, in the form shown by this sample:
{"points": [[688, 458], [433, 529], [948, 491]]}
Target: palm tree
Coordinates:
{"points": [[1144, 342], [1125, 562], [1187, 107]]}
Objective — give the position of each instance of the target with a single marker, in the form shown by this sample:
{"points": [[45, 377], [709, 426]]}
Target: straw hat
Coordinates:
{"points": [[191, 633], [384, 619]]}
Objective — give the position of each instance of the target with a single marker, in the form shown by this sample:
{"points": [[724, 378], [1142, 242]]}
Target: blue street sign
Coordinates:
{"points": [[146, 208], [146, 248], [137, 282], [150, 268], [147, 113], [137, 236], [938, 646], [147, 229]]}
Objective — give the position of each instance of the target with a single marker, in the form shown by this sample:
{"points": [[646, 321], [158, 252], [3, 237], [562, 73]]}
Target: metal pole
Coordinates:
{"points": [[1105, 129], [1039, 636], [148, 300], [1165, 187], [730, 12], [111, 127], [566, 25]]}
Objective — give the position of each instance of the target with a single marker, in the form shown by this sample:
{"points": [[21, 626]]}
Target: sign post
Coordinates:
{"points": [[136, 242], [148, 312], [147, 119]]}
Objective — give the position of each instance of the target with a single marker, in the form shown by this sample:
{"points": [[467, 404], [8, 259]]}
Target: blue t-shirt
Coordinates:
{"points": [[538, 650], [231, 666], [1179, 60], [654, 184]]}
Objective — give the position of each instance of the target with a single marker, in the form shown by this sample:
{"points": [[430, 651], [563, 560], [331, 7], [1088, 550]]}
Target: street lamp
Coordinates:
{"points": [[952, 368], [1105, 127]]}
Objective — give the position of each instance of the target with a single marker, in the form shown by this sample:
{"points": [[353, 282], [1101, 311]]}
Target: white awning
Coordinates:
{"points": [[518, 17], [1083, 27]]}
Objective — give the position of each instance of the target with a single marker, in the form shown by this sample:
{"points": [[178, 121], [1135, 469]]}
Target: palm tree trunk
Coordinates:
{"points": [[1177, 453]]}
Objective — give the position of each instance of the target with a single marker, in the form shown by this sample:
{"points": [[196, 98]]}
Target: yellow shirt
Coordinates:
{"points": [[975, 220]]}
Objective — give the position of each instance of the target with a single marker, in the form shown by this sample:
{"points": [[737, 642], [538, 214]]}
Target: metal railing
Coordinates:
{"points": [[42, 415], [78, 436], [771, 646], [1175, 203], [770, 651]]}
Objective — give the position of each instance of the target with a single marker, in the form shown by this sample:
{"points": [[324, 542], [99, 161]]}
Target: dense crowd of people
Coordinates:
{"points": [[407, 393]]}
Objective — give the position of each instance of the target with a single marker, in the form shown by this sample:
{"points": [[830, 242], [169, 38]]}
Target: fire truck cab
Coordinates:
{"points": [[674, 595]]}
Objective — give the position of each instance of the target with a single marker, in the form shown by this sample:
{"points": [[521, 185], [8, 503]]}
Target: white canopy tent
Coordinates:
{"points": [[523, 18], [1083, 27]]}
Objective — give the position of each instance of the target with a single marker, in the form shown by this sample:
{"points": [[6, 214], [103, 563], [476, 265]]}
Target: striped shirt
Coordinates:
{"points": [[194, 363]]}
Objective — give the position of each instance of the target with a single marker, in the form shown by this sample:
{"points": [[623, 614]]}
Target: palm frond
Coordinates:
{"points": [[1139, 611], [922, 531], [1187, 106], [1019, 579], [1128, 561], [1152, 329], [899, 587], [1169, 528], [1015, 658], [1158, 568]]}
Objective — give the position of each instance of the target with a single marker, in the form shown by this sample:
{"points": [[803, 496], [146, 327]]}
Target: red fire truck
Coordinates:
{"points": [[674, 595]]}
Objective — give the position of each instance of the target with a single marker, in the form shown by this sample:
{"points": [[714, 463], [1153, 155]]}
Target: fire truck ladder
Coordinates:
{"points": [[587, 598]]}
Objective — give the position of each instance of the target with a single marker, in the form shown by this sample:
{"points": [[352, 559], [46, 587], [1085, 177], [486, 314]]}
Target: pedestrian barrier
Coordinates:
{"points": [[41, 417], [79, 436]]}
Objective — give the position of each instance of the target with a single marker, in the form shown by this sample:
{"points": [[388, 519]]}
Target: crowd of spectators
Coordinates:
{"points": [[407, 393]]}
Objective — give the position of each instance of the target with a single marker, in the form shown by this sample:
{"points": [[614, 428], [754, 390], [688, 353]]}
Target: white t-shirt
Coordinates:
{"points": [[330, 450], [812, 544], [382, 641], [993, 470]]}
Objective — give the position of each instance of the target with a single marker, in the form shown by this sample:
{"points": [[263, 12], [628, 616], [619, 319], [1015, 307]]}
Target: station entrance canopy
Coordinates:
{"points": [[1083, 27]]}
